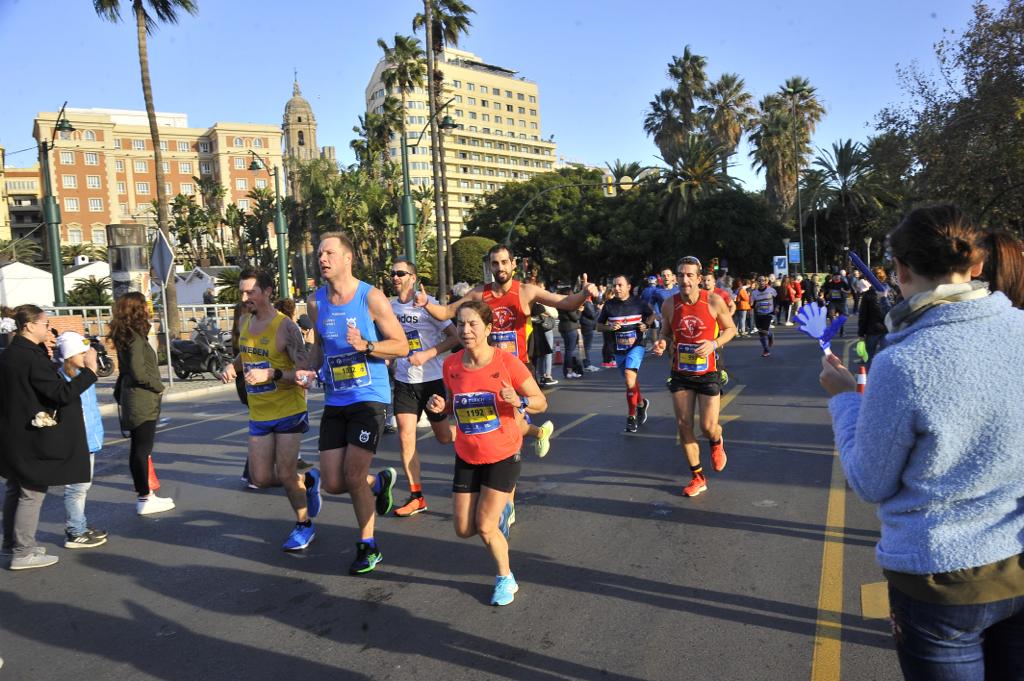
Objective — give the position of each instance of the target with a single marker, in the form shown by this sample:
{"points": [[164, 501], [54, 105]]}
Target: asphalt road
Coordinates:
{"points": [[620, 576]]}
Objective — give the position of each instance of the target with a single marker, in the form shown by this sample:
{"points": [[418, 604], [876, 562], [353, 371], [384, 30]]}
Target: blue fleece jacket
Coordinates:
{"points": [[937, 440]]}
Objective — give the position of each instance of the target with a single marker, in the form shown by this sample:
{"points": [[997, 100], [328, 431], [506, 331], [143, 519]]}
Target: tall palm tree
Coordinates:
{"points": [[817, 195], [691, 79], [166, 11], [773, 152], [696, 173], [22, 250], [620, 170], [406, 69], [807, 111], [663, 123], [847, 171], [729, 112], [68, 252]]}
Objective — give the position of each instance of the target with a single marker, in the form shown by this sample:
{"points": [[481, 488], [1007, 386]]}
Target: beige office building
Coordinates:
{"points": [[499, 137]]}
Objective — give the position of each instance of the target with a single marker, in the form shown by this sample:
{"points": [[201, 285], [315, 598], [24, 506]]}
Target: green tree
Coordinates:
{"points": [[213, 193], [847, 172], [227, 281], [91, 291], [694, 174], [166, 11], [22, 250], [620, 170], [68, 253], [773, 152], [468, 257], [406, 68], [729, 113]]}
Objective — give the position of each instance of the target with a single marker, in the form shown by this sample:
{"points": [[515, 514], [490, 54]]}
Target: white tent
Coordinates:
{"points": [[21, 284]]}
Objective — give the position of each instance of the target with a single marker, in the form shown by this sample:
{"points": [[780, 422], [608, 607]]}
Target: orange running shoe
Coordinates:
{"points": [[718, 457], [696, 486], [411, 507]]}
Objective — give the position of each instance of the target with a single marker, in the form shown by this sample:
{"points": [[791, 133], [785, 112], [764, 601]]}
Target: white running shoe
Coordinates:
{"points": [[153, 504]]}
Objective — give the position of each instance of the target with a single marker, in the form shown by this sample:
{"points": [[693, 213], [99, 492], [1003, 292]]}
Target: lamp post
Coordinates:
{"points": [[799, 211], [280, 227], [867, 251], [407, 210], [51, 211], [785, 249]]}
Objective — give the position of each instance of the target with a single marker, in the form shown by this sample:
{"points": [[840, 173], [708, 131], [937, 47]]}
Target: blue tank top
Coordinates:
{"points": [[349, 376]]}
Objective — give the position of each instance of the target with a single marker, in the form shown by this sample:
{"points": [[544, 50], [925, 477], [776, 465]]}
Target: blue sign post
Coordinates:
{"points": [[794, 252]]}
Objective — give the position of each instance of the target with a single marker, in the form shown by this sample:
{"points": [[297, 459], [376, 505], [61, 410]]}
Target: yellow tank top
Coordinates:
{"points": [[271, 400]]}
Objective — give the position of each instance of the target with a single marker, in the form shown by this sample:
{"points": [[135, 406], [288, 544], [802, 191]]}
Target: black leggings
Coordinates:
{"points": [[138, 460]]}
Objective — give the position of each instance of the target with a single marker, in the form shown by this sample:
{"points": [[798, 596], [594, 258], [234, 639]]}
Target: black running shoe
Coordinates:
{"points": [[641, 412], [367, 558], [385, 500], [631, 426]]}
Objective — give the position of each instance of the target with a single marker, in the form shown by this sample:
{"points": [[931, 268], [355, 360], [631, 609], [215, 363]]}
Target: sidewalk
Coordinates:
{"points": [[179, 391]]}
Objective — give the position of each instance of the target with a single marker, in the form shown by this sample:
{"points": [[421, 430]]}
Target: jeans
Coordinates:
{"points": [[74, 502], [21, 517], [958, 642], [741, 321], [545, 360], [571, 340], [588, 340]]}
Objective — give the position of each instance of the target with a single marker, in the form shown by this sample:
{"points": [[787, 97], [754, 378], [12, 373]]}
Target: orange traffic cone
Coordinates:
{"points": [[154, 482], [862, 379]]}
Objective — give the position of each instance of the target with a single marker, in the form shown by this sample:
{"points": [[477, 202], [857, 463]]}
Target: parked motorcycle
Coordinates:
{"points": [[104, 364], [205, 353]]}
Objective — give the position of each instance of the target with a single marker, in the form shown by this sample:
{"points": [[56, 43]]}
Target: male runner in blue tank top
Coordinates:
{"points": [[356, 330]]}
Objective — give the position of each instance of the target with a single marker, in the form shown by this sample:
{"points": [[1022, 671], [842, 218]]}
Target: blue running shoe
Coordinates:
{"points": [[385, 483], [505, 589], [300, 537], [367, 557], [314, 499], [503, 522]]}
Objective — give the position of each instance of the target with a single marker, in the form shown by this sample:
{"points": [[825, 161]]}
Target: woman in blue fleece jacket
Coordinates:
{"points": [[937, 441]]}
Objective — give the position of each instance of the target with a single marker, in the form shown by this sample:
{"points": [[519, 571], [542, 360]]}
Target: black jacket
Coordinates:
{"points": [[29, 383], [871, 321], [568, 320]]}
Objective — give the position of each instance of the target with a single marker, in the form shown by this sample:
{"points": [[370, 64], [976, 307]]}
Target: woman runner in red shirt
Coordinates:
{"points": [[488, 391]]}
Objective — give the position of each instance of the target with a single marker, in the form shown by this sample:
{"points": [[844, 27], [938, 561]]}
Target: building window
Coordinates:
{"points": [[302, 139], [165, 166], [182, 145], [139, 145], [239, 163], [124, 209], [456, 83], [71, 205], [185, 167], [122, 188], [483, 89], [89, 136], [533, 112], [188, 189], [242, 184], [205, 168], [119, 165], [260, 183], [470, 86], [522, 110], [167, 188], [163, 145], [238, 142], [258, 143], [458, 99], [533, 125], [117, 143], [99, 236], [243, 204], [472, 115], [142, 188], [533, 99], [67, 158], [522, 123], [95, 205], [520, 96], [471, 101], [92, 181], [509, 108], [508, 93], [141, 166], [74, 236], [204, 147], [69, 181]]}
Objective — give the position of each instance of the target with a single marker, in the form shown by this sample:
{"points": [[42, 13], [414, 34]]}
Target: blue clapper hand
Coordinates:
{"points": [[813, 320]]}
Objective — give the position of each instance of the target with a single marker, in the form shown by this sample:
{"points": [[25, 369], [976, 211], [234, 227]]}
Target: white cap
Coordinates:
{"points": [[70, 344]]}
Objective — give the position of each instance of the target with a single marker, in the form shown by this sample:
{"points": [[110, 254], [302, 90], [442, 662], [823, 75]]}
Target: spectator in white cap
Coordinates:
{"points": [[71, 348]]}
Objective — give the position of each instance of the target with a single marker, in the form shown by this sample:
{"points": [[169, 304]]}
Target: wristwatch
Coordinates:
{"points": [[369, 347]]}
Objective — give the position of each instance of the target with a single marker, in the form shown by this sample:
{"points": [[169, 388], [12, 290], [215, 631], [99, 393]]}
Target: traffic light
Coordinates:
{"points": [[714, 264]]}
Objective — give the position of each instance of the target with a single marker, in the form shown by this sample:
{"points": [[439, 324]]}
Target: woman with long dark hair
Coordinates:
{"points": [[138, 391]]}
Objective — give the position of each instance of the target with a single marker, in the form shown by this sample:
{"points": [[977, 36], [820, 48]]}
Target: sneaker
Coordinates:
{"points": [[153, 504], [725, 377], [302, 465], [543, 443], [367, 558], [608, 365], [411, 507], [85, 540], [789, 323], [385, 482], [697, 485], [249, 484], [718, 457], [550, 380], [503, 522], [505, 589], [101, 534], [389, 429], [631, 426], [32, 560], [300, 537], [314, 495], [766, 354], [590, 369], [641, 412]]}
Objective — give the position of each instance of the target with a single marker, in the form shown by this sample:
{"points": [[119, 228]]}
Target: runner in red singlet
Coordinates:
{"points": [[691, 320]]}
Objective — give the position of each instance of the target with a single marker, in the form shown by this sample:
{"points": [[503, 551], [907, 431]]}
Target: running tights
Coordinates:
{"points": [[138, 459]]}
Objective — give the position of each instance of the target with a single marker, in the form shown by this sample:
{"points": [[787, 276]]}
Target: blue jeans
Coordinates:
{"points": [[588, 340], [545, 360], [741, 321], [74, 502], [958, 642], [571, 341]]}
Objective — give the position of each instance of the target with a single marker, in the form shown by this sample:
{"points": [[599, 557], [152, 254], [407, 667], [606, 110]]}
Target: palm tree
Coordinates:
{"points": [[817, 195], [166, 11], [68, 252], [772, 139], [620, 170], [729, 112], [696, 173], [691, 86], [406, 67], [662, 122], [847, 172], [22, 250], [91, 291]]}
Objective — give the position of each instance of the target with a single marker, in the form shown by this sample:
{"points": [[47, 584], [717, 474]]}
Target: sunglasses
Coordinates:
{"points": [[400, 274]]}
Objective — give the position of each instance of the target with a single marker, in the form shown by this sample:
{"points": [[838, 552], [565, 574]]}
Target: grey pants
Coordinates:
{"points": [[21, 517]]}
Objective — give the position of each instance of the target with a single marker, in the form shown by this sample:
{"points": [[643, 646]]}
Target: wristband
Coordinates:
{"points": [[278, 374], [523, 404]]}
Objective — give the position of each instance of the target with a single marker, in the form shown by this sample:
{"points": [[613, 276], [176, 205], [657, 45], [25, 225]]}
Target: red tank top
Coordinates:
{"points": [[509, 329], [691, 325]]}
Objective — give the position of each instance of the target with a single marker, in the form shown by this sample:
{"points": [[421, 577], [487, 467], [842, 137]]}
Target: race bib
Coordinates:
{"points": [[764, 306], [625, 340], [687, 360], [349, 371], [476, 413], [415, 342], [268, 387], [506, 340]]}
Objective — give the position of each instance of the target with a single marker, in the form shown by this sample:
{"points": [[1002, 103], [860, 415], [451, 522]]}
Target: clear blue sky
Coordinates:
{"points": [[598, 62]]}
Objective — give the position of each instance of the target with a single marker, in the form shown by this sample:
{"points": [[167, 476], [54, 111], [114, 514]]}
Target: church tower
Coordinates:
{"points": [[299, 133]]}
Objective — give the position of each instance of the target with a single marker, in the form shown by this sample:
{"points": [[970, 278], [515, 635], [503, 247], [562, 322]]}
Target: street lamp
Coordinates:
{"points": [[799, 211], [407, 211], [280, 227], [785, 249], [51, 211], [867, 251]]}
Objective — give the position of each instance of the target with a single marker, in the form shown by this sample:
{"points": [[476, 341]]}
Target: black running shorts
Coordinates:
{"points": [[500, 475], [412, 398], [704, 384], [763, 322], [356, 424]]}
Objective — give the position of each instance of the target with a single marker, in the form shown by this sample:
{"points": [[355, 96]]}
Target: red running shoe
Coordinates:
{"points": [[718, 457], [696, 486], [411, 507]]}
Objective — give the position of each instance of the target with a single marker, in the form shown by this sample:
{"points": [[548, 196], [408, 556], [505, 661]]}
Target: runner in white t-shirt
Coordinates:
{"points": [[417, 376]]}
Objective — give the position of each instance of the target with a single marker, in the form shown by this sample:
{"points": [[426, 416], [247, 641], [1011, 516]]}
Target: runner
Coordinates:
{"points": [[356, 330], [628, 317], [511, 302], [835, 290], [417, 376], [270, 348], [692, 319], [762, 298], [708, 283], [489, 391]]}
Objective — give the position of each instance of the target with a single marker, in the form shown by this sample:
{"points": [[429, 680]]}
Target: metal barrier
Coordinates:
{"points": [[96, 318]]}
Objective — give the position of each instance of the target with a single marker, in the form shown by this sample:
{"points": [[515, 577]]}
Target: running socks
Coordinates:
{"points": [[697, 470], [370, 542], [308, 523], [417, 491], [633, 398], [375, 487]]}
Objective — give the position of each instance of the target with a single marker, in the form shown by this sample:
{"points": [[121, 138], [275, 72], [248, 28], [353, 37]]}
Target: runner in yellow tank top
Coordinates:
{"points": [[270, 348]]}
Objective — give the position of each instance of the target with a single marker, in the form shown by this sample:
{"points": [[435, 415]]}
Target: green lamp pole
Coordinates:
{"points": [[51, 211], [280, 226], [407, 210]]}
